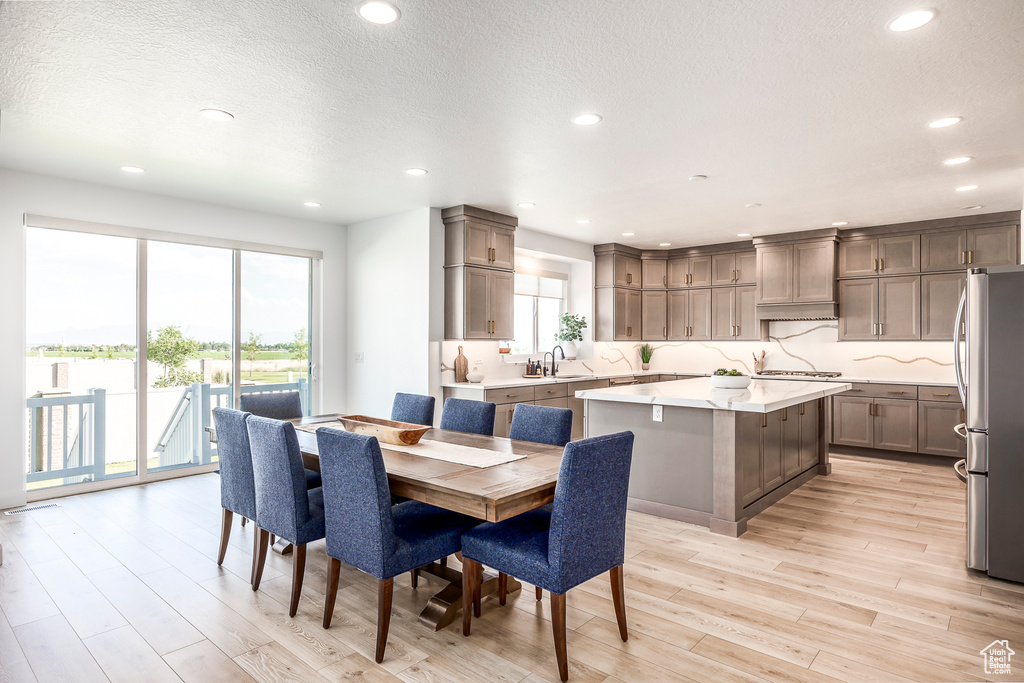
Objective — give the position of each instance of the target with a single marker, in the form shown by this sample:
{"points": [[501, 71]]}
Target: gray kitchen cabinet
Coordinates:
{"points": [[940, 296], [853, 422], [943, 250], [748, 453], [689, 315], [814, 271], [654, 308], [899, 308], [810, 414], [560, 402], [723, 269], [626, 271], [477, 237], [895, 424], [768, 448], [992, 246], [617, 314], [746, 268], [678, 273], [775, 274], [478, 303], [700, 271], [772, 451], [654, 273], [858, 310], [576, 404], [790, 442], [935, 422], [693, 271], [882, 256], [733, 314]]}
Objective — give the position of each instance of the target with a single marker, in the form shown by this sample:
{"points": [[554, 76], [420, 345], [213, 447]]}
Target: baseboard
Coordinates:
{"points": [[669, 511], [902, 456], [12, 499]]}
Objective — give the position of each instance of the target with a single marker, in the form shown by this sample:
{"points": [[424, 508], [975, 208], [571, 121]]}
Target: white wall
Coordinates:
{"points": [[22, 193], [394, 313]]}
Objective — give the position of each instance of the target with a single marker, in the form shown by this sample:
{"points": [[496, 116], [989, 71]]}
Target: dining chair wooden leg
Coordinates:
{"points": [[414, 577], [244, 520], [502, 587], [298, 573], [478, 576], [261, 557], [619, 598], [333, 574], [558, 627], [468, 588], [255, 552], [444, 561], [225, 534], [540, 593], [385, 589]]}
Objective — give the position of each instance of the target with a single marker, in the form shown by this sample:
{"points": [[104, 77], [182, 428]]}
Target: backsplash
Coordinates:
{"points": [[810, 345]]}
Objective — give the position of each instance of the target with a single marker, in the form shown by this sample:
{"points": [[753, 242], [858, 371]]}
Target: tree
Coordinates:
{"points": [[300, 347], [252, 349], [171, 349]]}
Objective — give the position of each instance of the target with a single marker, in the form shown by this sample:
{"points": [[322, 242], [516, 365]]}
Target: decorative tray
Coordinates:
{"points": [[388, 431], [534, 376]]}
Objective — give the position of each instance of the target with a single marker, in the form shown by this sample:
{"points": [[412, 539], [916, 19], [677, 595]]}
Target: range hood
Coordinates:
{"points": [[826, 310]]}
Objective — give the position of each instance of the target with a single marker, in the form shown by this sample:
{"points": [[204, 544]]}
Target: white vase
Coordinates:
{"points": [[645, 366], [570, 350]]}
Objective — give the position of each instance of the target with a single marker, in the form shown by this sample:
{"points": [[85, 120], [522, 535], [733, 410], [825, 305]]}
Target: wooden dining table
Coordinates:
{"points": [[491, 493]]}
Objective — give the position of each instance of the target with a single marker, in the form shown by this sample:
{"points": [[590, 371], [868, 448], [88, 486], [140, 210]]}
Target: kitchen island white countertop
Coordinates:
{"points": [[762, 396]]}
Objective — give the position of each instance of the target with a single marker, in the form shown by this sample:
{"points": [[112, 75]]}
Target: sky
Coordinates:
{"points": [[81, 290]]}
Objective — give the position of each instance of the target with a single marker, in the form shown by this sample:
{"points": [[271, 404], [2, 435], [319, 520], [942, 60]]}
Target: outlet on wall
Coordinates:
{"points": [[359, 357], [658, 412]]}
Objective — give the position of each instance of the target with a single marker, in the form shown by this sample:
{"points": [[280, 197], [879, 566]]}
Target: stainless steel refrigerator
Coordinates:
{"points": [[991, 382]]}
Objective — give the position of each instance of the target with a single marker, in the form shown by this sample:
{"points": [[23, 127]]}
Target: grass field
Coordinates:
{"points": [[216, 355]]}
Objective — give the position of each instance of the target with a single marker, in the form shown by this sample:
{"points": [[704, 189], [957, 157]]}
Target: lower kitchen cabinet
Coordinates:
{"points": [[853, 422], [935, 423], [799, 439], [895, 424], [774, 448]]}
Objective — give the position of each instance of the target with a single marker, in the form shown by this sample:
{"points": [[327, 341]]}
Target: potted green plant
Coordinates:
{"points": [[571, 331], [646, 351]]}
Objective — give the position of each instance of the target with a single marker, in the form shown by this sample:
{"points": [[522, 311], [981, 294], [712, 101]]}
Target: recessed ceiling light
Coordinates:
{"points": [[966, 188], [743, 234], [526, 205], [698, 177], [416, 171], [216, 114], [911, 20], [312, 205], [378, 12], [665, 244], [629, 234], [753, 205], [972, 207], [838, 223], [946, 122], [133, 169], [586, 119], [957, 160], [583, 221]]}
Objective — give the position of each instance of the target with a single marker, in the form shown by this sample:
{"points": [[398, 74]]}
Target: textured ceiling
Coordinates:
{"points": [[808, 107]]}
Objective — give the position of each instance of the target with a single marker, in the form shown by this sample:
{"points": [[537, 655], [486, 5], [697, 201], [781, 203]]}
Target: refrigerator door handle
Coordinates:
{"points": [[960, 469], [961, 385], [961, 431]]}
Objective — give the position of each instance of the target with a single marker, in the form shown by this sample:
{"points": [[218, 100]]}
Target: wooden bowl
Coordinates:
{"points": [[388, 431]]}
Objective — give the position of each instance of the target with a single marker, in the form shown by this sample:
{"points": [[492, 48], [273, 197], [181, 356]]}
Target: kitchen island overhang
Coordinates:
{"points": [[717, 457]]}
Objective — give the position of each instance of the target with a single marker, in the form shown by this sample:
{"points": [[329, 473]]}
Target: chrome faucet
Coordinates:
{"points": [[552, 352]]}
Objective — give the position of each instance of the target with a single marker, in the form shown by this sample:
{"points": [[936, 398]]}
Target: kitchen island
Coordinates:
{"points": [[716, 457]]}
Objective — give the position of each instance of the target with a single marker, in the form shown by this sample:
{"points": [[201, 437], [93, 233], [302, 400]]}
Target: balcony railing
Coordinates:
{"points": [[67, 437]]}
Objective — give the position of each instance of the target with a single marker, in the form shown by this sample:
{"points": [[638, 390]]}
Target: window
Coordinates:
{"points": [[539, 305]]}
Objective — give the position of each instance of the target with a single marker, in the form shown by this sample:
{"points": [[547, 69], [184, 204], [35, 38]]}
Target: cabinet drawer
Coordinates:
{"points": [[510, 395], [944, 394], [621, 381], [905, 391], [550, 391], [588, 384]]}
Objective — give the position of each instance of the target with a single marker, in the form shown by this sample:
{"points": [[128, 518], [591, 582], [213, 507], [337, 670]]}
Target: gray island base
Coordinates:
{"points": [[716, 457]]}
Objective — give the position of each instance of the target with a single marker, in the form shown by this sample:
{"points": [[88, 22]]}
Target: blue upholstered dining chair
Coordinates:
{"points": [[472, 417], [365, 531], [237, 490], [284, 507], [279, 405], [413, 408], [541, 424], [580, 537]]}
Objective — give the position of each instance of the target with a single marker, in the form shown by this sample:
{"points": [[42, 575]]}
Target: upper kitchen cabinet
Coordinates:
{"points": [[885, 256], [617, 265], [940, 296], [617, 314], [689, 315], [796, 275], [734, 269], [478, 278], [886, 309], [477, 237], [654, 269], [689, 271], [732, 314], [982, 247], [653, 309]]}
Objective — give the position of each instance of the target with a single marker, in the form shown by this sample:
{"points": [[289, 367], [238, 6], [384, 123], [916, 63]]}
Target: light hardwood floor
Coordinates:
{"points": [[857, 576]]}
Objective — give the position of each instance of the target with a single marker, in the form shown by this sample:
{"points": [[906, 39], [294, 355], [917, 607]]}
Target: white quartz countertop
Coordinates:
{"points": [[559, 379], [762, 396]]}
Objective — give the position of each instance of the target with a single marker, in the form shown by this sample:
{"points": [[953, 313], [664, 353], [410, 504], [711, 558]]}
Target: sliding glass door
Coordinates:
{"points": [[193, 325]]}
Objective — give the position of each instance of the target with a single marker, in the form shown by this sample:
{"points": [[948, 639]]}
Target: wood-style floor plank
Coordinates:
{"points": [[857, 576]]}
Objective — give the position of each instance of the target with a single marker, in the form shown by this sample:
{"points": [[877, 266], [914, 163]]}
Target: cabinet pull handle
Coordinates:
{"points": [[963, 257], [874, 329], [881, 264], [900, 392], [664, 331], [629, 278], [511, 395], [852, 390], [876, 265], [803, 410], [629, 331], [664, 279], [970, 257], [764, 420], [785, 414], [937, 394], [881, 329]]}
